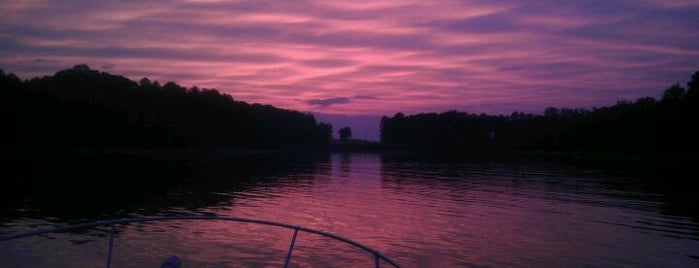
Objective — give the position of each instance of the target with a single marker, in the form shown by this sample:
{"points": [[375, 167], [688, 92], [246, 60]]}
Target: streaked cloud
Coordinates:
{"points": [[369, 57], [328, 102]]}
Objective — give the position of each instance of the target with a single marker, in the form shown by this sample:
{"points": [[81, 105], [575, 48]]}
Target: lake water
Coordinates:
{"points": [[419, 213]]}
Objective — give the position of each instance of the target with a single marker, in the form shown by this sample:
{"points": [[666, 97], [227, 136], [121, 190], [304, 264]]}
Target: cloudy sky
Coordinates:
{"points": [[369, 57]]}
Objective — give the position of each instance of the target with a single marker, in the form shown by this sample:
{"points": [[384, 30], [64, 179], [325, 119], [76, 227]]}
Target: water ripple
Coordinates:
{"points": [[421, 214]]}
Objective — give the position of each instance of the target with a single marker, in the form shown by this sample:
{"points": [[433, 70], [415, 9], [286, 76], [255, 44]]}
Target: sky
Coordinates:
{"points": [[369, 58]]}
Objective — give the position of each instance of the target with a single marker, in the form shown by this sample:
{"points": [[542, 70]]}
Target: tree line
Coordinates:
{"points": [[644, 126], [81, 108]]}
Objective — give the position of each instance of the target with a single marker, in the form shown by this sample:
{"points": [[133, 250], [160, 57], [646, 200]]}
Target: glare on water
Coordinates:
{"points": [[421, 214]]}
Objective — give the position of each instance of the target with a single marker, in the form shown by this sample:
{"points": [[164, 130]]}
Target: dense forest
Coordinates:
{"points": [[645, 126], [81, 108]]}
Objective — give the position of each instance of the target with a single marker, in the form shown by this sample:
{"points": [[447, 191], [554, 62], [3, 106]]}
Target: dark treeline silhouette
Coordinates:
{"points": [[80, 108], [645, 126]]}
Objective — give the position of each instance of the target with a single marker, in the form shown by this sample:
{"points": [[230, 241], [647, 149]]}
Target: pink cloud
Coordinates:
{"points": [[409, 55]]}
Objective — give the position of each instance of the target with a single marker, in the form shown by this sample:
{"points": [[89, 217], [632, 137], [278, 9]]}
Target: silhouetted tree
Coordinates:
{"points": [[645, 126], [326, 131], [551, 112], [85, 108], [345, 133], [144, 83], [675, 92], [693, 87]]}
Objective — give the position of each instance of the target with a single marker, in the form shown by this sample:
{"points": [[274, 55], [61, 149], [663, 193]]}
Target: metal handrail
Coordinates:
{"points": [[377, 255]]}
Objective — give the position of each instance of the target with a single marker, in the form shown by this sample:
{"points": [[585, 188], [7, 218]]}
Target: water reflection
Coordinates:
{"points": [[78, 187], [423, 214]]}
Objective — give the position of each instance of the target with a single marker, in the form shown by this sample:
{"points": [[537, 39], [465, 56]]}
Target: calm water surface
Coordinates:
{"points": [[421, 214]]}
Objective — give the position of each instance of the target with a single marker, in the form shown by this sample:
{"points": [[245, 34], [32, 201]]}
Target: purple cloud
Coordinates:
{"points": [[491, 56], [366, 97], [328, 102]]}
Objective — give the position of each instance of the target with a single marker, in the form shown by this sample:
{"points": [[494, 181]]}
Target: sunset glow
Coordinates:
{"points": [[369, 57]]}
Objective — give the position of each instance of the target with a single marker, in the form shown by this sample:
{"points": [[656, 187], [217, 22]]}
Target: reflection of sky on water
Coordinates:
{"points": [[421, 214]]}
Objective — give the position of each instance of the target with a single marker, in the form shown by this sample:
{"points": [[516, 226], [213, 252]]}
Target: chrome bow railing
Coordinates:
{"points": [[113, 223]]}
